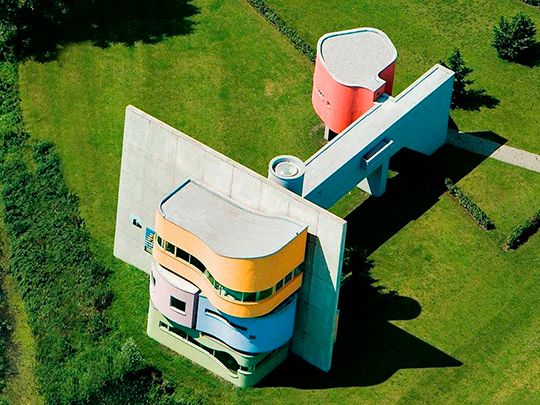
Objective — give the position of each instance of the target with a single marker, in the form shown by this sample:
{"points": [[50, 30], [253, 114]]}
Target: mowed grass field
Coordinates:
{"points": [[236, 84], [425, 32]]}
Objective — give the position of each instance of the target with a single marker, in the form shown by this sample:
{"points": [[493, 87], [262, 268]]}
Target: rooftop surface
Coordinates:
{"points": [[226, 227], [356, 57]]}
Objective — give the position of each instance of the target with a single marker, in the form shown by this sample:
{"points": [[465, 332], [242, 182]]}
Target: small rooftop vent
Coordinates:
{"points": [[287, 171]]}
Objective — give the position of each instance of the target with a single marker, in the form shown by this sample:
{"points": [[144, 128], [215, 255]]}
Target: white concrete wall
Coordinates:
{"points": [[157, 157]]}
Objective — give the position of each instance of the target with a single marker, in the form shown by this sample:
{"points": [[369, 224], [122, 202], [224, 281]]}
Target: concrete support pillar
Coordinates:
{"points": [[329, 134], [375, 183]]}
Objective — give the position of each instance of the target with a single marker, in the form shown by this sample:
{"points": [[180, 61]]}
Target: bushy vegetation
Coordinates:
{"points": [[65, 289], [297, 41], [523, 232], [470, 206], [514, 39], [37, 28]]}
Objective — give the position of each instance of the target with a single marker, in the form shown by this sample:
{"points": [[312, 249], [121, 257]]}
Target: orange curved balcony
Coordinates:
{"points": [[225, 304], [243, 250]]}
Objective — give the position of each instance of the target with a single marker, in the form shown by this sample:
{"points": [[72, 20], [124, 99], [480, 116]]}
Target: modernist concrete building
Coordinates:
{"points": [[244, 269]]}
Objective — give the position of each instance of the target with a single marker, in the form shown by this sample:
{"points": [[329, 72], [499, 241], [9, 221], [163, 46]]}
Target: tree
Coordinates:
{"points": [[514, 39], [8, 29], [456, 63]]}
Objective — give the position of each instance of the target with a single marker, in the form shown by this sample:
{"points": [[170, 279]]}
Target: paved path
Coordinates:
{"points": [[507, 154]]}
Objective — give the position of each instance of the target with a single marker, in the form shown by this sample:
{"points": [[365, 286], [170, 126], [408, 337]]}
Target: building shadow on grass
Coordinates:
{"points": [[369, 349], [102, 22], [414, 190]]}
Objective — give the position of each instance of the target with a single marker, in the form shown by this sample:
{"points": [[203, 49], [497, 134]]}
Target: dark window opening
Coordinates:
{"points": [[177, 304], [288, 278], [169, 247], [182, 254], [197, 263], [265, 293], [250, 297]]}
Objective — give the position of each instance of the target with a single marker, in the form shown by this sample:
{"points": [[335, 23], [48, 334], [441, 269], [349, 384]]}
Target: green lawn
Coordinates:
{"points": [[237, 85], [21, 387], [425, 32]]}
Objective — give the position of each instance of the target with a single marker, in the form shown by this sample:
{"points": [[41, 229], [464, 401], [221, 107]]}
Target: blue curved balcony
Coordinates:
{"points": [[249, 335]]}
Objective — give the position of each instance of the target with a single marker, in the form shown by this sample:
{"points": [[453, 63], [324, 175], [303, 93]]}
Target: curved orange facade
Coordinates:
{"points": [[227, 305], [246, 275]]}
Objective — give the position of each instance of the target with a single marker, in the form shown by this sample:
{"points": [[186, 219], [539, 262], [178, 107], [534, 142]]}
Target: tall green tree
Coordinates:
{"points": [[514, 39], [456, 63]]}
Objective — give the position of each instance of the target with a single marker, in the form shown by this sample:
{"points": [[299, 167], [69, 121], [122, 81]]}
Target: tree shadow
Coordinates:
{"points": [[103, 23], [368, 349], [475, 99], [530, 58]]}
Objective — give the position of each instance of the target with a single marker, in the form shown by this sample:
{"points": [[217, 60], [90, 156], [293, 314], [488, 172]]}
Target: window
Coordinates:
{"points": [[197, 263], [265, 293], [233, 294], [288, 278], [279, 285], [160, 241], [182, 254], [177, 305], [136, 221], [153, 278], [250, 297], [169, 247], [297, 271]]}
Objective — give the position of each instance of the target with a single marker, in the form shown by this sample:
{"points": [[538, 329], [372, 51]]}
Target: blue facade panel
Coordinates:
{"points": [[249, 335]]}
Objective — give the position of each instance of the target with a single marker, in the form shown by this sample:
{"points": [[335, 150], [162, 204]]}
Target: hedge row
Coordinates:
{"points": [[271, 16], [523, 232], [65, 289], [470, 206]]}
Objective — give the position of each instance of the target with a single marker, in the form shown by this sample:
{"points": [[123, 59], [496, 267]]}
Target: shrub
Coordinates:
{"points": [[470, 206], [523, 232], [271, 16], [514, 39]]}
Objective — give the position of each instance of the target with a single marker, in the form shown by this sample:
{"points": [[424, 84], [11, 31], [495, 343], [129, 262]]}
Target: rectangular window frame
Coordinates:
{"points": [[175, 308]]}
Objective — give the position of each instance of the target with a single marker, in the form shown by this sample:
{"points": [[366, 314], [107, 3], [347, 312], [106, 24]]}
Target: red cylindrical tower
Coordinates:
{"points": [[353, 68]]}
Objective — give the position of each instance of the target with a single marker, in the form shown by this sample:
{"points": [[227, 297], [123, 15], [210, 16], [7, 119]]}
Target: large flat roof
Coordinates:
{"points": [[225, 226], [356, 57]]}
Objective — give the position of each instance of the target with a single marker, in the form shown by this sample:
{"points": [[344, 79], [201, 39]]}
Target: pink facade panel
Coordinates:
{"points": [[174, 297]]}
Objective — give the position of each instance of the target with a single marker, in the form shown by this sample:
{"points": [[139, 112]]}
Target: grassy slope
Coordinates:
{"points": [[427, 31], [237, 85]]}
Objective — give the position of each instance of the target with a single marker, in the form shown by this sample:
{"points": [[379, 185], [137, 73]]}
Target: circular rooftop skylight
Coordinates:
{"points": [[286, 169]]}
